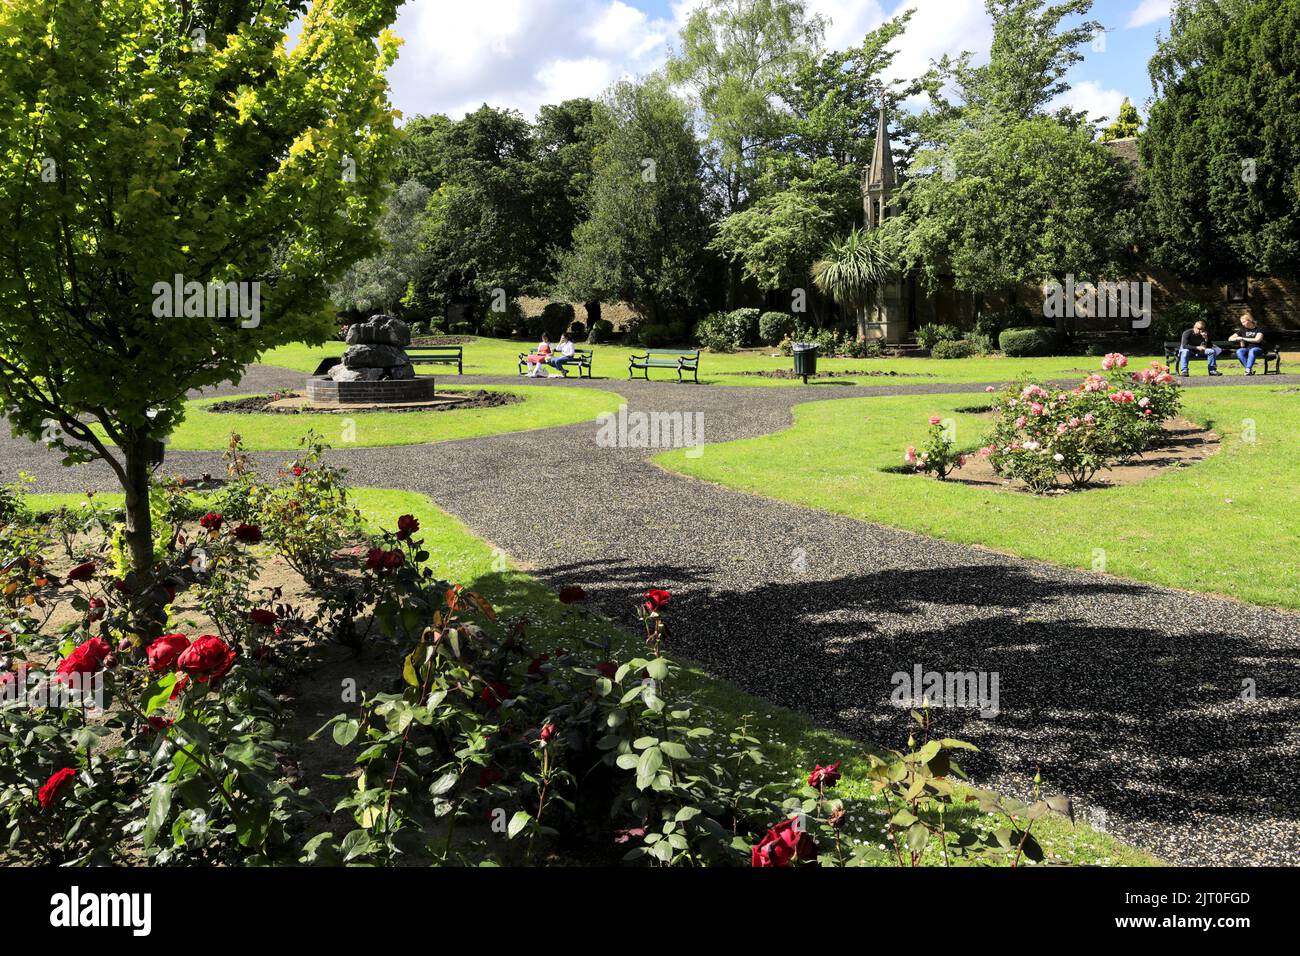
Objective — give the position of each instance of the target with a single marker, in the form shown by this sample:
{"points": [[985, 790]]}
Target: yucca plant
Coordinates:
{"points": [[851, 271]]}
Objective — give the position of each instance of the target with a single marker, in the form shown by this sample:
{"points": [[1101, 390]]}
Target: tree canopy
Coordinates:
{"points": [[143, 141]]}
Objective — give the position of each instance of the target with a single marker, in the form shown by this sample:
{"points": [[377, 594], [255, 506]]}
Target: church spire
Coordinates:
{"points": [[882, 178]]}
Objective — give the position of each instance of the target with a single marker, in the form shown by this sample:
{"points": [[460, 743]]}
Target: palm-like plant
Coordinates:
{"points": [[851, 271]]}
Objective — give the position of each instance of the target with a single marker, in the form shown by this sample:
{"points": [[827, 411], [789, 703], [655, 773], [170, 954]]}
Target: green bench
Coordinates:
{"points": [[682, 360], [438, 355], [581, 358], [1272, 356]]}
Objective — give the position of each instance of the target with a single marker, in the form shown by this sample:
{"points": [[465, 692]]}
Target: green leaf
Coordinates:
{"points": [[648, 767], [517, 823], [157, 694], [345, 731], [160, 804]]}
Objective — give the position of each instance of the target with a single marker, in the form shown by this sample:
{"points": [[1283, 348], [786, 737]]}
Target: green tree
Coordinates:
{"points": [[1221, 154], [733, 55], [853, 269], [645, 226], [140, 141], [381, 281], [1127, 124]]}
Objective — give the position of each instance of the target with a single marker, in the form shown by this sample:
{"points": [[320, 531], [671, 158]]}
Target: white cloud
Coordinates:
{"points": [[1149, 11], [1098, 101], [459, 54]]}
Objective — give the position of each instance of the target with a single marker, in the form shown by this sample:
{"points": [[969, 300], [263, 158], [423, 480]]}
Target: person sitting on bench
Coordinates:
{"points": [[1251, 342], [540, 358], [1197, 341], [565, 355]]}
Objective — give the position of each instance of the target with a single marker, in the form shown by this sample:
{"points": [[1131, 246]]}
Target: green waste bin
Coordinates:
{"points": [[805, 360]]}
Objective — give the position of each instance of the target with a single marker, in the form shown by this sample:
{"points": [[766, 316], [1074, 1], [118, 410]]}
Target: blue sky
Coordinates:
{"points": [[459, 54]]}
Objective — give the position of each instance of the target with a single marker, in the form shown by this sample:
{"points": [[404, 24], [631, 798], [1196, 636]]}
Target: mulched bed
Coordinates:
{"points": [[785, 374], [261, 405], [430, 340]]}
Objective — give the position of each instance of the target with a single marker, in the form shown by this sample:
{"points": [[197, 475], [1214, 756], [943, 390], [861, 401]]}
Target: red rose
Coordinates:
{"points": [[12, 677], [263, 616], [82, 572], [493, 694], [572, 594], [824, 776], [211, 521], [96, 611], [407, 525], [182, 681], [160, 724], [248, 533], [375, 559], [536, 666], [548, 732], [53, 788], [207, 659], [163, 652], [487, 776], [783, 844], [394, 560], [299, 471], [607, 670], [86, 659], [656, 599]]}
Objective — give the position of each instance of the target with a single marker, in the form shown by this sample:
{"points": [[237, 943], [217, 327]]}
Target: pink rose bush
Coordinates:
{"points": [[1041, 435], [940, 456]]}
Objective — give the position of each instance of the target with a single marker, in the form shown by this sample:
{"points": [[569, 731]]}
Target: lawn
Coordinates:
{"points": [[207, 431], [1225, 526], [792, 741], [500, 357]]}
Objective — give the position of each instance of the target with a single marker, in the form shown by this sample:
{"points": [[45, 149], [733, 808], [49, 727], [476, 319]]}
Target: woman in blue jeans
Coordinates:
{"points": [[1251, 343]]}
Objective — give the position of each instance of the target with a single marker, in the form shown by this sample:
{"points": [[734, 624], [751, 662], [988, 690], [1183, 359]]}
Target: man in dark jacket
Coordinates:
{"points": [[1196, 341]]}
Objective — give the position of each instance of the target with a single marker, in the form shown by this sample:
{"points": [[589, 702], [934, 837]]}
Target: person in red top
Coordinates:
{"points": [[538, 361]]}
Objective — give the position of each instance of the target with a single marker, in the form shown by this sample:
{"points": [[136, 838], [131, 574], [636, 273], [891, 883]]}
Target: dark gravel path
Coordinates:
{"points": [[1128, 697]]}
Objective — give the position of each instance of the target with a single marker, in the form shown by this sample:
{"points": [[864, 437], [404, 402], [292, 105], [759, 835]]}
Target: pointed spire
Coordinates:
{"points": [[883, 176]]}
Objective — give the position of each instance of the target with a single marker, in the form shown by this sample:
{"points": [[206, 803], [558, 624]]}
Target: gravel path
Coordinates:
{"points": [[1128, 697]]}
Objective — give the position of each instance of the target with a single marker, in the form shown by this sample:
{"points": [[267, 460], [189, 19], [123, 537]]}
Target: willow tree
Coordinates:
{"points": [[179, 182]]}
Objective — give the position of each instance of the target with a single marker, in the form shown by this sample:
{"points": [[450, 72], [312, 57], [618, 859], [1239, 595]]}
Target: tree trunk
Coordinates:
{"points": [[139, 523], [593, 314]]}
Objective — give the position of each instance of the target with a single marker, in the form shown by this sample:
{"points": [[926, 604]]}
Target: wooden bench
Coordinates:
{"points": [[1272, 356], [581, 359], [438, 355], [682, 360]]}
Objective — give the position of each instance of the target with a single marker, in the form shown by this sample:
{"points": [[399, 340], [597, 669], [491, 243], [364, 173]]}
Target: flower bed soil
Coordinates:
{"points": [[785, 374], [274, 405]]}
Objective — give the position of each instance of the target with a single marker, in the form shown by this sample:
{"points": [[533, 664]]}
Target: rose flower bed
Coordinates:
{"points": [[127, 738], [1042, 435]]}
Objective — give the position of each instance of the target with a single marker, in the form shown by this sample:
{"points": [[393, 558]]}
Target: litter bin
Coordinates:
{"points": [[805, 360]]}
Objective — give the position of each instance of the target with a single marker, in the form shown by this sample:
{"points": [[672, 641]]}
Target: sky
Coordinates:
{"points": [[459, 54]]}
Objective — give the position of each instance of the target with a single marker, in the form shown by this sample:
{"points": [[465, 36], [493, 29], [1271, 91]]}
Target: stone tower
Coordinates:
{"points": [[888, 319]]}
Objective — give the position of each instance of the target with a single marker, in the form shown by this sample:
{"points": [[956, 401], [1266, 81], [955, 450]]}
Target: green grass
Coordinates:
{"points": [[207, 431], [500, 357], [793, 742], [1228, 525]]}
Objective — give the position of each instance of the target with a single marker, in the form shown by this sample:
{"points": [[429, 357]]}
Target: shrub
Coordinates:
{"points": [[773, 327], [857, 348], [928, 336], [1023, 343], [1042, 434], [656, 336], [556, 319], [939, 456], [505, 325], [993, 324], [602, 330], [964, 348], [1181, 316], [578, 331], [716, 333]]}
